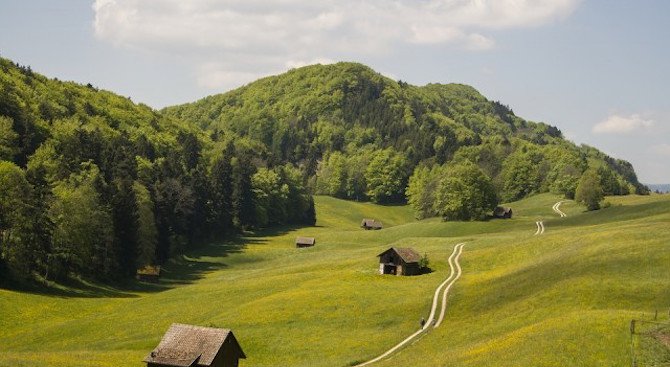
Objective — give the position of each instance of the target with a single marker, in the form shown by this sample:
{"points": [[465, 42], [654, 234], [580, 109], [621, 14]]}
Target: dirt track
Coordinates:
{"points": [[453, 276], [558, 210]]}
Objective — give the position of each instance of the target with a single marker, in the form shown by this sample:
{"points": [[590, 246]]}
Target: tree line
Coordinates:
{"points": [[98, 185], [94, 185]]}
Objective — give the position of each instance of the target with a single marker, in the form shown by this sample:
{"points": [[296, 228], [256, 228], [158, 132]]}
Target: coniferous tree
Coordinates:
{"points": [[120, 172], [244, 211], [8, 139], [221, 183], [147, 233], [199, 182], [15, 246], [41, 225], [309, 216], [126, 226]]}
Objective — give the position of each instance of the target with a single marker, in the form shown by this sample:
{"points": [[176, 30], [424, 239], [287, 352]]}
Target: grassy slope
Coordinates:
{"points": [[560, 299]]}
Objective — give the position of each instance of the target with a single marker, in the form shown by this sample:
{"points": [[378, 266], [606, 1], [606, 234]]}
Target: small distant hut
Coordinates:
{"points": [[502, 212], [149, 273], [301, 242], [399, 261], [196, 346], [368, 224]]}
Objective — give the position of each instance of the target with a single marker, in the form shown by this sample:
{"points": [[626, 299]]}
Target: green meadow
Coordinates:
{"points": [[564, 298]]}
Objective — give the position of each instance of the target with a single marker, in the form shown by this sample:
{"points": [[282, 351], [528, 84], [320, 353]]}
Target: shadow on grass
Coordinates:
{"points": [[180, 270], [71, 287]]}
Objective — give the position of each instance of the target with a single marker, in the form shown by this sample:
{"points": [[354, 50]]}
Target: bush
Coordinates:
{"points": [[424, 264]]}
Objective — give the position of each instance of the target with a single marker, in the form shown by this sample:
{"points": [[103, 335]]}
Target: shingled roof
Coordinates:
{"points": [[408, 255], [371, 223], [188, 345], [305, 241]]}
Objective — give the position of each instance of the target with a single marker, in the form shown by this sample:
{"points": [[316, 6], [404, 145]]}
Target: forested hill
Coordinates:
{"points": [[95, 185], [360, 135]]}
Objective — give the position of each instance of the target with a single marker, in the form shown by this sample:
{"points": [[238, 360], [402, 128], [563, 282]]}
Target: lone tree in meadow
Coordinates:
{"points": [[589, 191], [465, 193]]}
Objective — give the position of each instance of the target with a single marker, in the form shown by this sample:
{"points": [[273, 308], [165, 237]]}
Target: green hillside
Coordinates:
{"points": [[347, 125], [562, 298], [98, 186], [95, 185]]}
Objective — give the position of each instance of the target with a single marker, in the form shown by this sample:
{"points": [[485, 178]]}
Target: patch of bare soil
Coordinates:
{"points": [[663, 338]]}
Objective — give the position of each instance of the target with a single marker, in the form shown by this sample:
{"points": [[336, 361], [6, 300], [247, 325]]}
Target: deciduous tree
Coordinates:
{"points": [[465, 193], [589, 192]]}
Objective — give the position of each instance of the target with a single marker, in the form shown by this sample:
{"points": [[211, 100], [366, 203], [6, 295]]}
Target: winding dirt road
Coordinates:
{"points": [[453, 276], [448, 287], [558, 211]]}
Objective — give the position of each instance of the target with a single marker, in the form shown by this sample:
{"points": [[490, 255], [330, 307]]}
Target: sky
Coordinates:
{"points": [[596, 69]]}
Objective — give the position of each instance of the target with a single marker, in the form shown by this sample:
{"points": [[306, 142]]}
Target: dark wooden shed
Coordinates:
{"points": [[399, 261], [196, 346], [371, 224], [149, 273], [305, 242], [502, 212]]}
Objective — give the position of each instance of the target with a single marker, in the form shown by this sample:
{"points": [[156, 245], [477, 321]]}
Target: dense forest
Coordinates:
{"points": [[359, 135], [95, 185]]}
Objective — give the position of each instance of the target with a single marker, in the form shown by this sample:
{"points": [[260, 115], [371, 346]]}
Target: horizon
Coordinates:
{"points": [[590, 69]]}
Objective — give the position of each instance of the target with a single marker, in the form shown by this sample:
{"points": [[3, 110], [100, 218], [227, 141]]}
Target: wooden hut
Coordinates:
{"points": [[301, 242], [149, 273], [502, 212], [368, 224], [196, 346], [399, 261]]}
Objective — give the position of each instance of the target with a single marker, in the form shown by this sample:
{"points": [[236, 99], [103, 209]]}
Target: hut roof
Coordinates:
{"points": [[407, 254], [150, 270], [188, 345], [371, 223], [305, 240]]}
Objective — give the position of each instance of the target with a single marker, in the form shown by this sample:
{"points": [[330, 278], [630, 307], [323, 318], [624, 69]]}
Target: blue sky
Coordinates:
{"points": [[595, 69]]}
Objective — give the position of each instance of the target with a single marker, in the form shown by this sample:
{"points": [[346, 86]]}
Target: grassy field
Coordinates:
{"points": [[563, 298]]}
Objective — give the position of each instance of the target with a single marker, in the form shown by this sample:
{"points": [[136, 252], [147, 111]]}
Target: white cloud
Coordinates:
{"points": [[254, 36], [661, 149], [214, 75], [617, 124], [477, 42], [300, 63]]}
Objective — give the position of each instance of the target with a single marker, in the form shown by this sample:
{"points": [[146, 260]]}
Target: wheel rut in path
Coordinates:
{"points": [[557, 209], [443, 289]]}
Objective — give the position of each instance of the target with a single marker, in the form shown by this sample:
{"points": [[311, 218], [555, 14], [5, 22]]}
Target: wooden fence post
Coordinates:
{"points": [[632, 345]]}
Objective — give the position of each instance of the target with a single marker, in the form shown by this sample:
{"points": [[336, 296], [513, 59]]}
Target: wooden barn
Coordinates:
{"points": [[149, 274], [399, 261], [301, 242], [502, 212], [371, 224], [196, 346]]}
